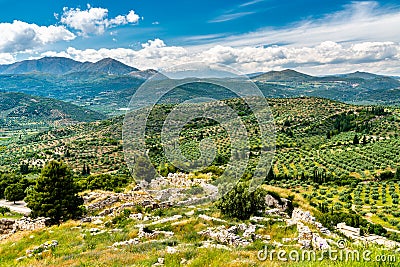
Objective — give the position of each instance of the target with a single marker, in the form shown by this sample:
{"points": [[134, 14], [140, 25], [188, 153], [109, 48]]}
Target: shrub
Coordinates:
{"points": [[240, 203]]}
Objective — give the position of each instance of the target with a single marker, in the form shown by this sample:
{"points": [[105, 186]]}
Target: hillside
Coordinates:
{"points": [[283, 76], [302, 124], [318, 167], [19, 108]]}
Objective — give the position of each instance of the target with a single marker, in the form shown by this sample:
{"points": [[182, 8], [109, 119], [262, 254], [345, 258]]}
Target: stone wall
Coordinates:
{"points": [[9, 226], [6, 226], [102, 200]]}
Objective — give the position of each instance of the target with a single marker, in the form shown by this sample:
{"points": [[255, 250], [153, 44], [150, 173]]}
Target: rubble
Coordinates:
{"points": [[354, 233], [230, 236], [42, 248], [144, 232], [129, 242]]}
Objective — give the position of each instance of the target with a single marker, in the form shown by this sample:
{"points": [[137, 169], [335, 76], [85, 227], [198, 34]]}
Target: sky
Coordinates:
{"points": [[315, 37]]}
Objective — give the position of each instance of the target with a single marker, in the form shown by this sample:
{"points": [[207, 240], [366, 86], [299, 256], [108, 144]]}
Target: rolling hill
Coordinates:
{"points": [[26, 108], [284, 76]]}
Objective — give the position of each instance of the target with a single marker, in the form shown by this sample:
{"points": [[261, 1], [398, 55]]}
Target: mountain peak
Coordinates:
{"points": [[62, 65], [283, 76], [107, 65]]}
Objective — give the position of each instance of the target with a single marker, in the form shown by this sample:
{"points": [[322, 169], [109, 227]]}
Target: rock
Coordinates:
{"points": [[137, 216], [189, 213], [305, 216], [21, 258], [9, 226], [319, 243], [97, 222], [282, 204], [160, 262], [129, 242], [86, 220], [208, 218], [225, 236], [171, 250], [43, 247]]}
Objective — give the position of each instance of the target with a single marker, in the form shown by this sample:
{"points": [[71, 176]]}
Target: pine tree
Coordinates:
{"points": [[55, 194]]}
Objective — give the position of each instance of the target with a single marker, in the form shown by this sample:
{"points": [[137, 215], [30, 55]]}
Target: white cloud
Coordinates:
{"points": [[21, 36], [327, 56], [132, 17], [6, 58], [363, 37], [229, 17], [251, 3], [357, 22], [94, 20]]}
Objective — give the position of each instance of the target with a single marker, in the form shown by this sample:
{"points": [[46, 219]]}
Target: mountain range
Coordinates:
{"points": [[106, 86], [67, 66]]}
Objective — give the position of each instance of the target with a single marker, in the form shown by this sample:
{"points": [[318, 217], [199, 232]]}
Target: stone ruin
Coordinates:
{"points": [[101, 200], [10, 226], [306, 238]]}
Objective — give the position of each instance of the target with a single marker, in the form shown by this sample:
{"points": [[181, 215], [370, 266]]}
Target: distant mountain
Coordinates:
{"points": [[106, 65], [34, 109], [359, 75], [254, 74], [62, 66], [283, 76], [50, 65], [146, 74]]}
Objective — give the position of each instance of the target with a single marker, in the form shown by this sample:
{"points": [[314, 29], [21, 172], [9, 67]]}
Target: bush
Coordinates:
{"points": [[240, 203], [3, 210]]}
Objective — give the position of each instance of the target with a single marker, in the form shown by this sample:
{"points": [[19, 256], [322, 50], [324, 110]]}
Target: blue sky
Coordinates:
{"points": [[255, 35]]}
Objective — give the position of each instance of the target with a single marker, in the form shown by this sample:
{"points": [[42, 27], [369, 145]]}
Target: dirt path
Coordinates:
{"points": [[19, 206]]}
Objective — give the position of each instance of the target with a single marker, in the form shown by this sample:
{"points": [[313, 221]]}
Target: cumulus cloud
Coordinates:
{"points": [[22, 36], [363, 36], [6, 58], [327, 55], [94, 20]]}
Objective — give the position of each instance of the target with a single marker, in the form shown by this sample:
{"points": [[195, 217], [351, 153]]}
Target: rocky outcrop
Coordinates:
{"points": [[305, 216]]}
